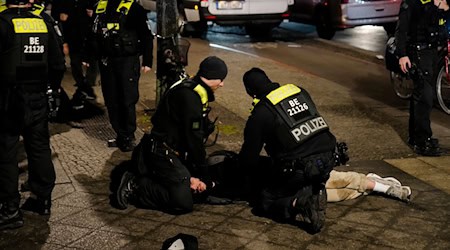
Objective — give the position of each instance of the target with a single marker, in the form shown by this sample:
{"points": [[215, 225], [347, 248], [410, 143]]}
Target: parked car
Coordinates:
{"points": [[257, 16], [331, 15]]}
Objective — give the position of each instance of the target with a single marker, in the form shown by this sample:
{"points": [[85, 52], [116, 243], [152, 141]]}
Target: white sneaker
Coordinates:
{"points": [[402, 193], [390, 181]]}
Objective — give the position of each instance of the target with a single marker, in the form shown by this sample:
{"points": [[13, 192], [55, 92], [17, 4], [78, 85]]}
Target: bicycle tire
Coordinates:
{"points": [[403, 88], [443, 90]]}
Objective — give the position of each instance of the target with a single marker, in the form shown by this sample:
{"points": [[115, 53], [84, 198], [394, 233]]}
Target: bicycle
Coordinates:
{"points": [[403, 85]]}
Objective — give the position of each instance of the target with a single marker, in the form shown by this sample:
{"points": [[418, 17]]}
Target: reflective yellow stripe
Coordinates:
{"points": [[441, 21], [282, 92], [125, 5], [37, 9], [29, 25], [112, 26], [201, 91], [101, 7], [255, 101], [3, 7], [425, 1]]}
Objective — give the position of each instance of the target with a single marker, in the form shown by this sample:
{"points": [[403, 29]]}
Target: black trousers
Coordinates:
{"points": [[421, 103], [120, 78], [82, 79], [277, 197], [34, 130], [165, 186]]}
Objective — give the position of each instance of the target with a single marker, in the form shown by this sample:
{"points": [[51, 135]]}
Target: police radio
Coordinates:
{"points": [[340, 155], [53, 103]]}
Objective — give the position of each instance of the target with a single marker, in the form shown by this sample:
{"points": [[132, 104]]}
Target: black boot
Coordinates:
{"points": [[126, 144], [125, 193], [38, 205], [428, 148], [10, 216]]}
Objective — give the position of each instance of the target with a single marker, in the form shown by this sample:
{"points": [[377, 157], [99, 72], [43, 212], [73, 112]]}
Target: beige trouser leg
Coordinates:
{"points": [[345, 185]]}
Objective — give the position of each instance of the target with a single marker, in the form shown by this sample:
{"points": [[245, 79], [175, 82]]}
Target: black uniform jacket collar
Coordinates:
{"points": [[211, 96]]}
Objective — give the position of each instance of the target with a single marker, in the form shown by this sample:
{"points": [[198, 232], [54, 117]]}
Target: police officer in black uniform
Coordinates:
{"points": [[25, 46], [77, 25], [168, 159], [420, 35], [300, 147], [122, 35]]}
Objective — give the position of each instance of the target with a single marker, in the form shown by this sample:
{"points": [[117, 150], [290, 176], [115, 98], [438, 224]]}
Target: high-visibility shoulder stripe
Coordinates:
{"points": [[201, 91], [282, 92], [125, 6], [101, 6]]}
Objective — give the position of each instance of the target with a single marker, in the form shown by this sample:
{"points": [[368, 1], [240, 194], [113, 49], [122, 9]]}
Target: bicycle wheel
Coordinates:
{"points": [[403, 87], [443, 90]]}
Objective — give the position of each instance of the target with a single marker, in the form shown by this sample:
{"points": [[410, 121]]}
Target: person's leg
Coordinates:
{"points": [[77, 68], [423, 95], [345, 185], [41, 172], [175, 198], [10, 216], [111, 93], [129, 68]]}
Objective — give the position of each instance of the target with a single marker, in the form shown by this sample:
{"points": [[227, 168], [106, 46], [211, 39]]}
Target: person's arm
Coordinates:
{"points": [[186, 104], [145, 36], [401, 33], [254, 133]]}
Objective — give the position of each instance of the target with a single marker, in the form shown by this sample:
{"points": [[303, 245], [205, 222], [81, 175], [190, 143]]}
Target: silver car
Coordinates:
{"points": [[257, 16], [331, 15]]}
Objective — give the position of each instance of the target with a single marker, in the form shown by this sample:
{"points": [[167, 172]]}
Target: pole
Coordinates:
{"points": [[167, 45]]}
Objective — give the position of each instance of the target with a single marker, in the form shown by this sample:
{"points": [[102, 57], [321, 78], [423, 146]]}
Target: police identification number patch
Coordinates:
{"points": [[29, 25]]}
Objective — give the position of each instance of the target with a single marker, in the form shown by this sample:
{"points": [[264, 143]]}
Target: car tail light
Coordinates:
{"points": [[285, 15]]}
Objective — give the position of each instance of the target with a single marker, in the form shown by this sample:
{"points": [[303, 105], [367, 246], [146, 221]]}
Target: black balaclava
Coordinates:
{"points": [[257, 83]]}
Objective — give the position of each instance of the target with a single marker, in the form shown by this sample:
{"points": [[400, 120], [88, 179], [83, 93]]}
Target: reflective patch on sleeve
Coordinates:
{"points": [[29, 25]]}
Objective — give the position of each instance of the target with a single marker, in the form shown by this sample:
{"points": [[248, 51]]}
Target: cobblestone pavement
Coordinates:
{"points": [[83, 219]]}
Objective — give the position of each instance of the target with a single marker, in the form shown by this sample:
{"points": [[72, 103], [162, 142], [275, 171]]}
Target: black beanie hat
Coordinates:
{"points": [[213, 68], [257, 83]]}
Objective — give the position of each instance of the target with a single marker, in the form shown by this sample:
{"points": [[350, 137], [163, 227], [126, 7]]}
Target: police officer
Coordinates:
{"points": [[171, 160], [420, 34], [25, 46], [76, 18], [300, 147], [123, 35]]}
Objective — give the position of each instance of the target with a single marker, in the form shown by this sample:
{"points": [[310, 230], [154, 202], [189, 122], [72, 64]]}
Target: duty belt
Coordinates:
{"points": [[422, 46], [288, 166]]}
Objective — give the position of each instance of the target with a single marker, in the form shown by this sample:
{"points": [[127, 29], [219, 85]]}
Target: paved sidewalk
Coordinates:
{"points": [[83, 219]]}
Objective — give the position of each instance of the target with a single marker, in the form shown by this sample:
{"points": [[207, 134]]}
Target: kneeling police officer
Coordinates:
{"points": [[25, 46], [300, 146]]}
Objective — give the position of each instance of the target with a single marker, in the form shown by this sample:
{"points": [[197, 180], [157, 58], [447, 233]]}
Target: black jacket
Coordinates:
{"points": [[179, 121], [136, 23], [420, 24], [259, 133]]}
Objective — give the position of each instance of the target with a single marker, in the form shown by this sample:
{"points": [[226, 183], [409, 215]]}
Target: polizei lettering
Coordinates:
{"points": [[308, 128]]}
